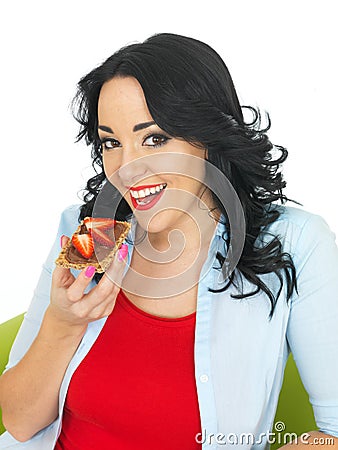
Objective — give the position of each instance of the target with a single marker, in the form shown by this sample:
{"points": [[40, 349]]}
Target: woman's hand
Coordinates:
{"points": [[70, 306], [42, 368]]}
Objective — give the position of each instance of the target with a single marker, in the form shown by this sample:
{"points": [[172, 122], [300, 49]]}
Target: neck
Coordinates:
{"points": [[190, 234]]}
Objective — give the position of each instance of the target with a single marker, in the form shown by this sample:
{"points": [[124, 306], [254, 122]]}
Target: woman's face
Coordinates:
{"points": [[137, 154]]}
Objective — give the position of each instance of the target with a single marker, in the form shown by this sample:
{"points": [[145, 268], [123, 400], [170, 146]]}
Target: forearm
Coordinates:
{"points": [[323, 440], [29, 391]]}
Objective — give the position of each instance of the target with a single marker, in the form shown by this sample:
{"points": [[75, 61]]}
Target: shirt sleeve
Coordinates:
{"points": [[312, 331], [33, 317]]}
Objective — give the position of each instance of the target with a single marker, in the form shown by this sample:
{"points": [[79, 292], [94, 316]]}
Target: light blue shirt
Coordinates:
{"points": [[240, 355]]}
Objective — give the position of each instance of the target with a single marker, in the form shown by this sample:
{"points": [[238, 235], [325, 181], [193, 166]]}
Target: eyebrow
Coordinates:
{"points": [[139, 126]]}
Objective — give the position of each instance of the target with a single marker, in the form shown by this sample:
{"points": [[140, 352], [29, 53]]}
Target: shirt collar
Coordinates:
{"points": [[221, 226]]}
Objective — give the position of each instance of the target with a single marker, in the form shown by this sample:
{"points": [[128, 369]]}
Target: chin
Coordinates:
{"points": [[157, 222]]}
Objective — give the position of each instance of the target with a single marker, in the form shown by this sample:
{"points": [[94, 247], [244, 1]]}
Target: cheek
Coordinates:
{"points": [[197, 175], [110, 168], [106, 164], [193, 187]]}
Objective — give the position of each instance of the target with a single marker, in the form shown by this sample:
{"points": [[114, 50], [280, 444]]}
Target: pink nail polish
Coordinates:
{"points": [[89, 272], [61, 241], [123, 252]]}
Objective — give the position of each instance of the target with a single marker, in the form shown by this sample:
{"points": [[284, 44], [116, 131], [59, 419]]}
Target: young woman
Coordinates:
{"points": [[184, 340]]}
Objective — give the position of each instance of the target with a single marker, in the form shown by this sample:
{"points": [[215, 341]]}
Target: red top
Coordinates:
{"points": [[136, 387]]}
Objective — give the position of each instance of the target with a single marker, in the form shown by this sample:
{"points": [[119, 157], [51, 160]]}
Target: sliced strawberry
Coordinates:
{"points": [[83, 244], [100, 237], [102, 223]]}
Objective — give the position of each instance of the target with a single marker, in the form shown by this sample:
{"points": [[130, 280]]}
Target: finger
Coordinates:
{"points": [[62, 277], [63, 241], [101, 306], [75, 292], [115, 272]]}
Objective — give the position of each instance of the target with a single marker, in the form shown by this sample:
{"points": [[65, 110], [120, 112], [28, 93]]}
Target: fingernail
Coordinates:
{"points": [[123, 252], [89, 272]]}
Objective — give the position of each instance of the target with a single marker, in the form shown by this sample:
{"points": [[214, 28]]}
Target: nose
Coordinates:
{"points": [[132, 168]]}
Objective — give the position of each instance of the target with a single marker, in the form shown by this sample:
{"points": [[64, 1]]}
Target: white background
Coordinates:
{"points": [[282, 57]]}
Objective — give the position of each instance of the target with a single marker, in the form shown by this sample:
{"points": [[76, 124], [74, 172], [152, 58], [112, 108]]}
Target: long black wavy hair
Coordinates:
{"points": [[190, 95]]}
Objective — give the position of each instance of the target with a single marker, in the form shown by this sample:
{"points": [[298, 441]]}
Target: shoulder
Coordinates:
{"points": [[299, 229], [69, 219], [68, 222], [297, 217]]}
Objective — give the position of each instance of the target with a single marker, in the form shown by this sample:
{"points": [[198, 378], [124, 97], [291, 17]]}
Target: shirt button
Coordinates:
{"points": [[204, 378]]}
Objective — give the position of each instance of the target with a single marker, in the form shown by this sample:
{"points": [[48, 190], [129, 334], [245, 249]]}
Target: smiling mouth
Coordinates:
{"points": [[147, 196]]}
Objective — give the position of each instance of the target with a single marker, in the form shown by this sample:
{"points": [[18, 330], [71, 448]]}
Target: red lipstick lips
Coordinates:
{"points": [[145, 186], [147, 199]]}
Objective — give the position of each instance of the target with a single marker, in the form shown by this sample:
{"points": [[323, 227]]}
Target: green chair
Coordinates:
{"points": [[8, 331], [294, 410]]}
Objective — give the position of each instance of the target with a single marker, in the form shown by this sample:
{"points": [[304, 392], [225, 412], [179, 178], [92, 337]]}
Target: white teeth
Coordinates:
{"points": [[147, 191]]}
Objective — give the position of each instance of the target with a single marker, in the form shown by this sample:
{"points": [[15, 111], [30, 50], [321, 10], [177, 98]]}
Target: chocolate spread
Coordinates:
{"points": [[100, 251]]}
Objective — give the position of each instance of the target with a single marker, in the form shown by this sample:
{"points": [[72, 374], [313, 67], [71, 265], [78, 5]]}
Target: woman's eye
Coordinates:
{"points": [[108, 144], [155, 140]]}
